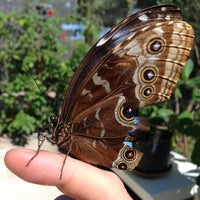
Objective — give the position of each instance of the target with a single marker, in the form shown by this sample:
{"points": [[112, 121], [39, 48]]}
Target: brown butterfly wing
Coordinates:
{"points": [[143, 69], [103, 49], [106, 152], [134, 65], [99, 138]]}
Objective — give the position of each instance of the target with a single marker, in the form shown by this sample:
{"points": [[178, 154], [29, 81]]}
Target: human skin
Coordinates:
{"points": [[79, 180]]}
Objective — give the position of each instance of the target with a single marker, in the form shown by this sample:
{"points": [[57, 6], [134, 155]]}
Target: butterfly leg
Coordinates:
{"points": [[64, 161], [41, 139]]}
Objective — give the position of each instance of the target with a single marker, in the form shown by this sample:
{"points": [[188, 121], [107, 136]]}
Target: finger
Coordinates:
{"points": [[43, 169], [79, 180]]}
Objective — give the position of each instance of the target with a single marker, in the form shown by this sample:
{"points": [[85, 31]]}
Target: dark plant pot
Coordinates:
{"points": [[156, 157]]}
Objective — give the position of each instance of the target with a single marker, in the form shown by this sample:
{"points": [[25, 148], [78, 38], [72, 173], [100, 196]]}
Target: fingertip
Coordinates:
{"points": [[14, 155], [39, 169]]}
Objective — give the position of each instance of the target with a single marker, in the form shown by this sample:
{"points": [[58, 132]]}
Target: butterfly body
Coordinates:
{"points": [[136, 64]]}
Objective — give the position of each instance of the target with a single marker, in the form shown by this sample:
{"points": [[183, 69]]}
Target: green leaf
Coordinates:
{"points": [[187, 69], [193, 82], [160, 116], [23, 122], [185, 115], [184, 123], [177, 92], [165, 112], [196, 94]]}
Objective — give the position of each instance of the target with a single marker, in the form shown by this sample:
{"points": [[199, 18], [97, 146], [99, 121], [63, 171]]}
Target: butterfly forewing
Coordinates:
{"points": [[135, 64], [102, 50]]}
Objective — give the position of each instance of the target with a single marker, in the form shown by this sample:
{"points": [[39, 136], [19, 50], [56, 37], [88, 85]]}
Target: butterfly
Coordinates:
{"points": [[136, 64]]}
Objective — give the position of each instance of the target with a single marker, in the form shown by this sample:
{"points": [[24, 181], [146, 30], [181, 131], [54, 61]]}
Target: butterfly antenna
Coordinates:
{"points": [[47, 98], [35, 82]]}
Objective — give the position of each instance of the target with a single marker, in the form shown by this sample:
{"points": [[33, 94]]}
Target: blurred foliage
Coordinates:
{"points": [[33, 65]]}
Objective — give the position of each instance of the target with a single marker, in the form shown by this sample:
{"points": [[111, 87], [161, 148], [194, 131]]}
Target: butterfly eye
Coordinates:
{"points": [[127, 113], [147, 92], [53, 119], [155, 46], [149, 74]]}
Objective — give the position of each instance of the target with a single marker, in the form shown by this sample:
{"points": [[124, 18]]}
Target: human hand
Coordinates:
{"points": [[79, 180]]}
